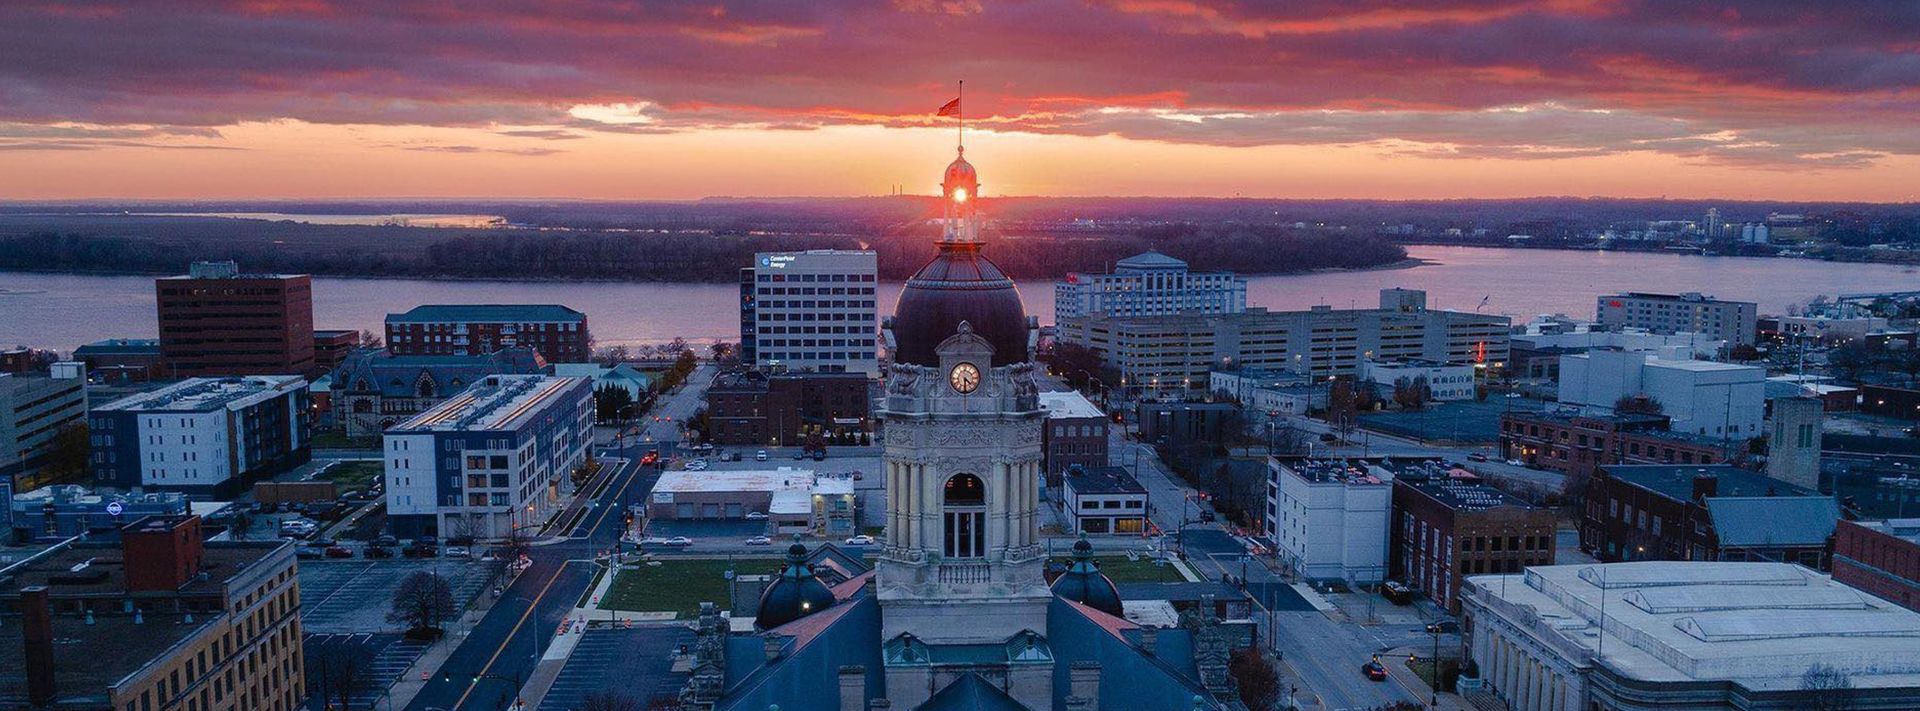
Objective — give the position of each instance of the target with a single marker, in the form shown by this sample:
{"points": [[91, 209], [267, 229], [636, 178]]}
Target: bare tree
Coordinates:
{"points": [[370, 339], [1828, 688], [1638, 405], [335, 674], [424, 601]]}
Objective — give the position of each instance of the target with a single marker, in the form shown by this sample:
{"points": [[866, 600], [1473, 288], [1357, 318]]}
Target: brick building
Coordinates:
{"points": [[1075, 434], [1880, 557], [331, 346], [558, 332], [1577, 444], [750, 407], [1890, 400], [1714, 512], [215, 320], [1446, 528], [375, 389], [123, 360]]}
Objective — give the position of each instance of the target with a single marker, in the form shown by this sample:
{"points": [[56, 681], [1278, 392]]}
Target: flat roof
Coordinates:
{"points": [[484, 313], [688, 481], [1337, 471], [1067, 403], [1466, 495], [1758, 624], [1906, 529], [498, 402], [89, 657], [208, 394], [122, 345], [97, 568], [1676, 481], [1103, 480]]}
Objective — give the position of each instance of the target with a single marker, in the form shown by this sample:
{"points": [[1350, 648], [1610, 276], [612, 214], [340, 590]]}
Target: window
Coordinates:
{"points": [[964, 513]]}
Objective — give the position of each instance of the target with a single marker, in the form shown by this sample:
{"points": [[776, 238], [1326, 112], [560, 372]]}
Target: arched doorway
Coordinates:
{"points": [[963, 508]]}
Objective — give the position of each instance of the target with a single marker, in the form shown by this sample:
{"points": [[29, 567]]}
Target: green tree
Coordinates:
{"points": [[612, 404]]}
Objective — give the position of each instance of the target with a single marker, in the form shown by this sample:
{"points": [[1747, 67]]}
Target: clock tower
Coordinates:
{"points": [[962, 565]]}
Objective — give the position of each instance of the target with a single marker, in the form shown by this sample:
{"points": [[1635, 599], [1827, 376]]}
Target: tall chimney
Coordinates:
{"points": [[1705, 486], [853, 688], [772, 644], [37, 623], [1083, 691]]}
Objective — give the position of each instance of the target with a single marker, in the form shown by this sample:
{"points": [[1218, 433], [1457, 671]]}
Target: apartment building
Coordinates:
{"points": [[493, 459], [1735, 322], [557, 332], [215, 320], [811, 311], [1075, 434], [1446, 527], [35, 408], [1328, 518], [1577, 444], [203, 436]]}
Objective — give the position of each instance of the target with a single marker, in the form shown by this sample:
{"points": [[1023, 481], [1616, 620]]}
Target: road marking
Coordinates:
{"points": [[533, 604]]}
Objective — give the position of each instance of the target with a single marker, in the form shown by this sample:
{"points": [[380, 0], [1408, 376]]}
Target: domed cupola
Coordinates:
{"points": [[794, 594], [1083, 582], [959, 284]]}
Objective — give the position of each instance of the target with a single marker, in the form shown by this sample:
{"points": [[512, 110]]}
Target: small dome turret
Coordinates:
{"points": [[1083, 583], [796, 593]]}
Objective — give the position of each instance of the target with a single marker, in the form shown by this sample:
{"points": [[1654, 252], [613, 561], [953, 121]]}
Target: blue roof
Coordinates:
{"points": [[971, 693], [1129, 679], [1149, 259], [120, 345], [469, 313], [1765, 521], [400, 376], [1676, 481]]}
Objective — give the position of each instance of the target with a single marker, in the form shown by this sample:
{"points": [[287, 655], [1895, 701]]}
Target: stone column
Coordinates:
{"points": [[999, 503]]}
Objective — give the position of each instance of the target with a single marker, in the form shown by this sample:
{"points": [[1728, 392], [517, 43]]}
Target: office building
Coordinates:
{"points": [[1448, 525], [1700, 513], [1693, 635], [1274, 393], [62, 511], [1148, 284], [331, 346], [756, 408], [557, 332], [1576, 443], [810, 311], [1171, 353], [375, 389], [496, 458], [35, 409], [1102, 500], [156, 621], [217, 321], [203, 436], [123, 360], [1328, 517], [1730, 321], [1177, 423], [1075, 434], [795, 501], [1880, 557], [1444, 381], [1702, 397], [1536, 355]]}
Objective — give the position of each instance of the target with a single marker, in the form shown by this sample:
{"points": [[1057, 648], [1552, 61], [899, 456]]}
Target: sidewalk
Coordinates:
{"points": [[1395, 660], [410, 681]]}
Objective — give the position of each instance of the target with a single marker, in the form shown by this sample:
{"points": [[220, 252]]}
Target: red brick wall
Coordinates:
{"points": [[1878, 563]]}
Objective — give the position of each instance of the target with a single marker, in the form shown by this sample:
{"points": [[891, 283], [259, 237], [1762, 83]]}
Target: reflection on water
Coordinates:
{"points": [[63, 311], [397, 219]]}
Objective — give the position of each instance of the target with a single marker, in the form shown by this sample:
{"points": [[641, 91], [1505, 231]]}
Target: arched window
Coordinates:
{"points": [[963, 508]]}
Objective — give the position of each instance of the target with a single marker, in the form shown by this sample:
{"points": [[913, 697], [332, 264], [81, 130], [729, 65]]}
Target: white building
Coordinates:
{"points": [[1447, 381], [1276, 393], [1328, 517], [495, 458], [1702, 397], [203, 436], [1149, 284], [811, 310], [1754, 233], [1582, 338], [34, 410], [1103, 500], [1686, 634], [1730, 321]]}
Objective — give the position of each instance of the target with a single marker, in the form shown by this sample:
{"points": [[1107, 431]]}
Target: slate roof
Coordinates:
{"points": [[487, 313], [1676, 481], [971, 693], [1773, 520], [399, 376]]}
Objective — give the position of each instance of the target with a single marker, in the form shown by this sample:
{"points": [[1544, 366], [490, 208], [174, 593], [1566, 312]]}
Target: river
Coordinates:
{"points": [[66, 310]]}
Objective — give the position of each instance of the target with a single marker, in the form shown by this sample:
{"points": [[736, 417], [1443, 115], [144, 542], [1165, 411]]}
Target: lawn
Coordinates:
{"points": [[1120, 570], [354, 476], [336, 439], [678, 585]]}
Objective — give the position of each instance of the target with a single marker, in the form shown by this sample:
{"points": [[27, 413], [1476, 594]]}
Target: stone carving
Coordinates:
{"points": [[709, 680]]}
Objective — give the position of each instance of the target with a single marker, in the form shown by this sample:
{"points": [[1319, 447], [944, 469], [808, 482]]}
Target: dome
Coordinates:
{"points": [[960, 172], [959, 285], [794, 594], [1084, 584]]}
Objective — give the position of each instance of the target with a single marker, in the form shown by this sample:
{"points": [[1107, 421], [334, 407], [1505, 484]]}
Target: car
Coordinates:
{"points": [[1328, 437], [379, 552], [679, 541], [695, 465], [860, 540], [1443, 627], [1476, 457], [1516, 463], [458, 552], [420, 551], [1374, 670], [819, 455], [308, 553], [653, 541], [427, 542], [386, 541], [649, 459], [339, 552], [324, 542], [760, 456], [756, 515], [759, 541], [1206, 517]]}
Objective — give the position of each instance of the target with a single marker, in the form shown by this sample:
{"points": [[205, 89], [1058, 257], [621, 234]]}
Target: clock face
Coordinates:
{"points": [[964, 378]]}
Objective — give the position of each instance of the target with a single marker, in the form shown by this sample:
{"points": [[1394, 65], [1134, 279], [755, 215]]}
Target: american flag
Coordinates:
{"points": [[951, 109]]}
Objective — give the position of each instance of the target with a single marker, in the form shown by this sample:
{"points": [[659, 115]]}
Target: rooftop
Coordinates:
{"points": [[1068, 404], [1336, 471], [89, 657], [1103, 480], [208, 394], [499, 402], [486, 313], [1463, 495], [1149, 260], [120, 345], [1676, 481], [1906, 529], [725, 480], [1766, 521], [1760, 625], [100, 568]]}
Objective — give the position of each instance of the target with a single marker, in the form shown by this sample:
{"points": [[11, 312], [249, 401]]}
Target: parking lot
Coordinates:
{"points": [[352, 596], [636, 662], [378, 661]]}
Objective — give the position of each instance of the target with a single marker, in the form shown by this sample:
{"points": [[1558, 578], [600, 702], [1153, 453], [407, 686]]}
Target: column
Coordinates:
{"points": [[999, 506]]}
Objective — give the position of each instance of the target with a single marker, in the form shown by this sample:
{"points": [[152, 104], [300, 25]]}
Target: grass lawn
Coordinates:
{"points": [[1120, 570], [354, 476], [678, 585], [336, 439]]}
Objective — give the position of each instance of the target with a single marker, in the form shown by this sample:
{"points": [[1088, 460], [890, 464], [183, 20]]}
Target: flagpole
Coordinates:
{"points": [[960, 112]]}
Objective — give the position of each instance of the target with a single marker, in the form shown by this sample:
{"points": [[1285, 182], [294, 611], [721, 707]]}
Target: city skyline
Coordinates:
{"points": [[325, 99]]}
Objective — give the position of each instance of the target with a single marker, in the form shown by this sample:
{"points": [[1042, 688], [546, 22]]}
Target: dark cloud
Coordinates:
{"points": [[1817, 85]]}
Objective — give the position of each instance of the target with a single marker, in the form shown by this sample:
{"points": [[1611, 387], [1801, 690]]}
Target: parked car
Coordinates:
{"points": [[694, 465], [308, 553], [679, 541], [324, 542], [339, 552], [860, 540], [759, 541], [1374, 670], [819, 455], [653, 541], [1476, 457], [760, 456], [427, 541], [756, 515], [379, 552], [387, 541], [458, 552], [1516, 463], [1443, 627]]}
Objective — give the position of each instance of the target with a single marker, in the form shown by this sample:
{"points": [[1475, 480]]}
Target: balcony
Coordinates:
{"points": [[965, 573]]}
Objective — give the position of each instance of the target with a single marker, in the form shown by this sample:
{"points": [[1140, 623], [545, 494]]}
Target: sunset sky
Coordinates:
{"points": [[660, 99]]}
